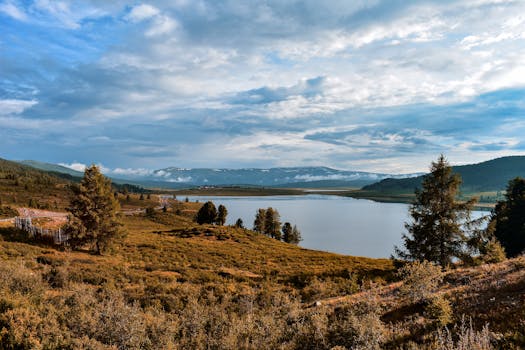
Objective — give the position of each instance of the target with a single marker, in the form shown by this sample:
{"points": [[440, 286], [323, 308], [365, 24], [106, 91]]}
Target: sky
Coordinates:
{"points": [[383, 86]]}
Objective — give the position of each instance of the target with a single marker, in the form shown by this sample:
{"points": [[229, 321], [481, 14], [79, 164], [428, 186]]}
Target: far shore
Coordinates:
{"points": [[344, 192]]}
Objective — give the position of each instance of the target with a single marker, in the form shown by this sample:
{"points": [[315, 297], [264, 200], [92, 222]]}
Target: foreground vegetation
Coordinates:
{"points": [[174, 284]]}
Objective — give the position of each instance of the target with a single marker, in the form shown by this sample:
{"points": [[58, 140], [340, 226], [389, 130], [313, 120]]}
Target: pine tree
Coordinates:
{"points": [[221, 215], [207, 214], [141, 198], [287, 232], [239, 223], [508, 218], [272, 223], [436, 232], [258, 224], [296, 236], [93, 218]]}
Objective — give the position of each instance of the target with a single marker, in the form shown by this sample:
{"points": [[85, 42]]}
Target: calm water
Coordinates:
{"points": [[332, 223]]}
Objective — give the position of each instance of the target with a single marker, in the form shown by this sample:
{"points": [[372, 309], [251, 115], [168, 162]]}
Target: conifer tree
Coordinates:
{"points": [[287, 232], [258, 224], [239, 223], [296, 236], [207, 214], [93, 218], [222, 213], [436, 232], [272, 223], [508, 218]]}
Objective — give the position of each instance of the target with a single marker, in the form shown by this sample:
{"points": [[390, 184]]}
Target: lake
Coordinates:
{"points": [[331, 223]]}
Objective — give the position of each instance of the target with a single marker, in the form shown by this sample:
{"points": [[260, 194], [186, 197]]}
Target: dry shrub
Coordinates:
{"points": [[439, 310], [464, 337], [420, 280], [16, 278], [494, 252]]}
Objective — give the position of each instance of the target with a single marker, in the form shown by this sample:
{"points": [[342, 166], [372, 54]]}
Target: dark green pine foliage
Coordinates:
{"points": [[258, 223], [207, 214], [93, 218], [509, 218], [272, 223], [221, 215], [436, 232], [287, 232]]}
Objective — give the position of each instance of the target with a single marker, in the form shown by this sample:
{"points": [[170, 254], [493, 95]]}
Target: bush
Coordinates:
{"points": [[439, 310], [420, 280], [464, 338]]}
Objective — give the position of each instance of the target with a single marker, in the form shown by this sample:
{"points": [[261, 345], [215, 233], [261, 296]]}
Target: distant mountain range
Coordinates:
{"points": [[492, 175], [301, 177]]}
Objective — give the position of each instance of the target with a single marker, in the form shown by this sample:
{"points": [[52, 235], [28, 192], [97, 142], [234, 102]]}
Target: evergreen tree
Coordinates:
{"points": [[258, 224], [93, 215], [508, 218], [436, 232], [141, 197], [207, 214], [272, 223], [239, 223], [296, 236], [287, 232], [221, 215]]}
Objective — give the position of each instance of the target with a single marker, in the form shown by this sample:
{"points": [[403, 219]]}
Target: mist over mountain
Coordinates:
{"points": [[176, 177]]}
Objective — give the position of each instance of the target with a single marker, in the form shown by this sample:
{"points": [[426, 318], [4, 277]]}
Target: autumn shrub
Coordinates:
{"points": [[439, 310], [420, 280]]}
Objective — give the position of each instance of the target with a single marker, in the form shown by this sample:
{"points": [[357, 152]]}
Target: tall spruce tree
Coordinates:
{"points": [[436, 232], [287, 232], [272, 223], [258, 223], [508, 218], [93, 218], [222, 213]]}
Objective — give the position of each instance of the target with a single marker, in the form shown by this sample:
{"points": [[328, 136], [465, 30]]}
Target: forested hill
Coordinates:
{"points": [[492, 175]]}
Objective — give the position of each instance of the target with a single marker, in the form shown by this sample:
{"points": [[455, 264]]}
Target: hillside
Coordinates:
{"points": [[20, 184], [25, 186], [489, 176], [176, 285]]}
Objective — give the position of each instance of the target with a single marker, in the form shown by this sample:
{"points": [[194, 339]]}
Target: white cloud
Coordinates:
{"points": [[74, 166], [130, 171], [142, 12], [12, 10], [161, 25], [12, 106]]}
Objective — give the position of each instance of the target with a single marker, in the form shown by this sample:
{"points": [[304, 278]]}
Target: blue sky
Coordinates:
{"points": [[381, 86]]}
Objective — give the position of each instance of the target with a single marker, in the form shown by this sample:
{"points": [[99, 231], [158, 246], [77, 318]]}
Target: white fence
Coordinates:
{"points": [[25, 224]]}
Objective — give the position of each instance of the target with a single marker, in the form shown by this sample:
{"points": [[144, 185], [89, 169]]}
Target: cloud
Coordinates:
{"points": [[12, 106], [13, 11], [142, 12], [74, 166], [363, 84]]}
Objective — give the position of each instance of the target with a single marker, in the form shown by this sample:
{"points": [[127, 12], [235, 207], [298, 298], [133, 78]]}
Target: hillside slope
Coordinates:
{"points": [[492, 175]]}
